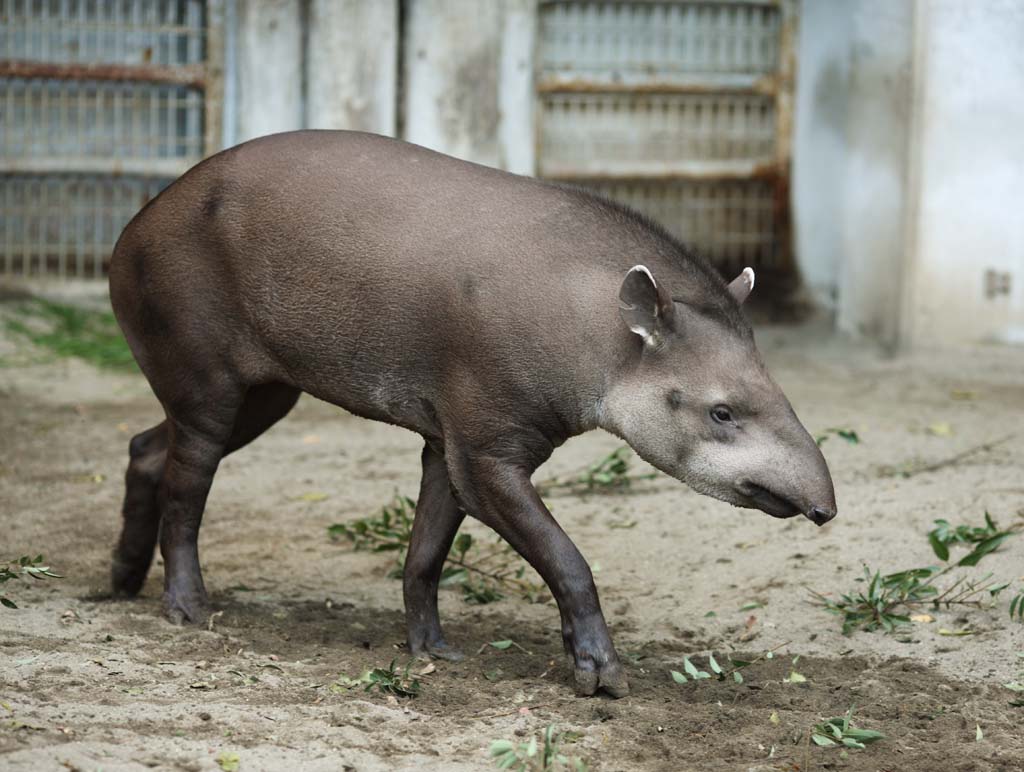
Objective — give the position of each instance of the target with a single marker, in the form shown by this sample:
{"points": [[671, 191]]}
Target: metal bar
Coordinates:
{"points": [[661, 170], [213, 116], [765, 3], [145, 167], [194, 75], [767, 85]]}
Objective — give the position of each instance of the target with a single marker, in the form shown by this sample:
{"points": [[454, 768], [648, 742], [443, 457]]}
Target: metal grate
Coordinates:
{"points": [[78, 120], [103, 104], [66, 224], [678, 109], [661, 41], [151, 32], [732, 221], [602, 133]]}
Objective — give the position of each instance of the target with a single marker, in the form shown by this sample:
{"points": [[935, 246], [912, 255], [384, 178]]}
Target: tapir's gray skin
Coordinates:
{"points": [[495, 315]]}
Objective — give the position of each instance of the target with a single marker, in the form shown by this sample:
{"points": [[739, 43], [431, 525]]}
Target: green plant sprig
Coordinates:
{"points": [[545, 756], [840, 731], [24, 566], [485, 572], [610, 474]]}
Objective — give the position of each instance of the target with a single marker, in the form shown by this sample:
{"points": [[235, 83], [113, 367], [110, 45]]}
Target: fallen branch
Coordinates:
{"points": [[947, 462]]}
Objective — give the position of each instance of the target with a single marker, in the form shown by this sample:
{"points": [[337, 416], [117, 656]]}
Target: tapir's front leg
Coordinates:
{"points": [[500, 494], [437, 519]]}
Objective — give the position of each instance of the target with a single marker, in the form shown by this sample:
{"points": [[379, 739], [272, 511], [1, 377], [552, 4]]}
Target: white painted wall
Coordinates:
{"points": [[969, 214], [351, 65], [908, 167]]}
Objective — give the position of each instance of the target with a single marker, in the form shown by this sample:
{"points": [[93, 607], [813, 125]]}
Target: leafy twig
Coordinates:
{"points": [[24, 566]]}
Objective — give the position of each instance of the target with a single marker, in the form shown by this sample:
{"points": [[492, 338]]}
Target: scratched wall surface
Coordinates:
{"points": [[469, 78]]}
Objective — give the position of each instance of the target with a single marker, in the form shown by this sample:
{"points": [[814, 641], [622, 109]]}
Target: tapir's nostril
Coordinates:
{"points": [[820, 516]]}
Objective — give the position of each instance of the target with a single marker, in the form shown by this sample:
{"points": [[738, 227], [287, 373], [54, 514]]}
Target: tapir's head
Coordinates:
{"points": [[695, 400]]}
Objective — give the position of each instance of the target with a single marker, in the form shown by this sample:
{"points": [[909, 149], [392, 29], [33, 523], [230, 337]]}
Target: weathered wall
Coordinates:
{"points": [[880, 92], [469, 79], [352, 61], [854, 85], [819, 142], [269, 71], [970, 143]]}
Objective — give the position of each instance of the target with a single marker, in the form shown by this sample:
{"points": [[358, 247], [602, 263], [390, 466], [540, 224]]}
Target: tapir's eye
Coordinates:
{"points": [[721, 414]]}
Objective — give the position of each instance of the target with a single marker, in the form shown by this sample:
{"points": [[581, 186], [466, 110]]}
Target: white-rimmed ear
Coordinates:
{"points": [[645, 306], [740, 286]]}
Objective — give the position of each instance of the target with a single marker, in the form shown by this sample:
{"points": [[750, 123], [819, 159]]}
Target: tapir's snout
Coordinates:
{"points": [[801, 487], [820, 515]]}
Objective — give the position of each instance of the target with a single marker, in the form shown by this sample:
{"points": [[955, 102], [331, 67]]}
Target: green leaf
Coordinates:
{"points": [[501, 747], [11, 604], [978, 734], [750, 605], [228, 761], [678, 677], [463, 542], [982, 549], [715, 667], [820, 739], [501, 645], [938, 547], [737, 676], [690, 668]]}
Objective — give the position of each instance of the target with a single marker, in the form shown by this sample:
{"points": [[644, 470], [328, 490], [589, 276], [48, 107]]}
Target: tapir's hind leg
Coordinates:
{"points": [[134, 551], [437, 519], [261, 408]]}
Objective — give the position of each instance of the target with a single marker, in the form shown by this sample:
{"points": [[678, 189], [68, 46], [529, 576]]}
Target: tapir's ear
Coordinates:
{"points": [[645, 306], [740, 286]]}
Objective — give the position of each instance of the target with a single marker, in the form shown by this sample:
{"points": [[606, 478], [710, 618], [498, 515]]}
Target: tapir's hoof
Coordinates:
{"points": [[182, 610], [126, 579], [611, 679]]}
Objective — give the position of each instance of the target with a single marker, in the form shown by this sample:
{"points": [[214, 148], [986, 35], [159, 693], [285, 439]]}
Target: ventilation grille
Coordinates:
{"points": [[675, 109], [657, 41], [139, 32], [66, 224], [103, 104], [606, 132]]}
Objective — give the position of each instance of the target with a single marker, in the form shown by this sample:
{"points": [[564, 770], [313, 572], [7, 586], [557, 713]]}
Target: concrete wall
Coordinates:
{"points": [[269, 69], [324, 64], [968, 222], [351, 65], [469, 79], [908, 166], [819, 144], [854, 88]]}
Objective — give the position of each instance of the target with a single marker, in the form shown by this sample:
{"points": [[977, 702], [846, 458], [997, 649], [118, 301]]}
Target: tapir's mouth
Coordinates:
{"points": [[769, 501]]}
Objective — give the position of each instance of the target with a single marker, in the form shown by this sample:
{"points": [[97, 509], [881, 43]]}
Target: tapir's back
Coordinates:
{"points": [[352, 262]]}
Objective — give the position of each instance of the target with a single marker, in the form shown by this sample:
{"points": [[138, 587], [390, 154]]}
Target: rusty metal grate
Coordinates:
{"points": [[103, 103], [66, 224], [680, 109], [134, 32], [732, 220], [644, 41], [605, 134]]}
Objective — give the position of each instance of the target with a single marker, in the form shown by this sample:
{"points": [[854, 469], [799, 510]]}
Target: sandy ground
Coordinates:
{"points": [[87, 683]]}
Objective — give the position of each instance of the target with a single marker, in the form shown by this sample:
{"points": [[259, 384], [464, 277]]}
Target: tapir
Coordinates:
{"points": [[495, 315]]}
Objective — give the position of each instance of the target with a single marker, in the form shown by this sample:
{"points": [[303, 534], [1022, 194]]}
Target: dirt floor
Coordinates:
{"points": [[87, 683]]}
